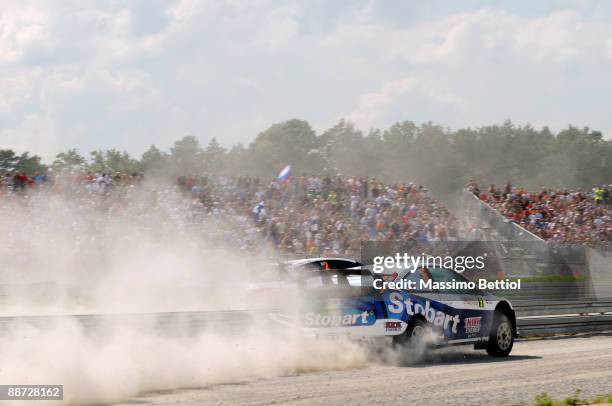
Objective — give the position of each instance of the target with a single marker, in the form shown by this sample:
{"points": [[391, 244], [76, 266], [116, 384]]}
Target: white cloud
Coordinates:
{"points": [[400, 93], [128, 74], [373, 105], [560, 36], [41, 135], [21, 30], [483, 66]]}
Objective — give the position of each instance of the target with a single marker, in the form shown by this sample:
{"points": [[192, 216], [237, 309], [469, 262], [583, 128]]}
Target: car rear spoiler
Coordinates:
{"points": [[335, 283]]}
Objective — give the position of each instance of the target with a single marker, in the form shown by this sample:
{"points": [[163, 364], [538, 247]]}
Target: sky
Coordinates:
{"points": [[128, 74]]}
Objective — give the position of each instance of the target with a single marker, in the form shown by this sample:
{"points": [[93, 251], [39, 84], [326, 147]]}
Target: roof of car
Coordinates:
{"points": [[297, 262]]}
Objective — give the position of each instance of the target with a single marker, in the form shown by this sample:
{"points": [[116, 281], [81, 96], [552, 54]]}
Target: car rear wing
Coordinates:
{"points": [[338, 283]]}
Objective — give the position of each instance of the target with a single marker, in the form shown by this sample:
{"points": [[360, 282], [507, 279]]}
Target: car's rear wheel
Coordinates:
{"points": [[414, 336], [501, 338]]}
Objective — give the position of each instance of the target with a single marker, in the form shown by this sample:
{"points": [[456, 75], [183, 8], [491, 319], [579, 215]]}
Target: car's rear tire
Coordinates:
{"points": [[414, 336], [501, 338]]}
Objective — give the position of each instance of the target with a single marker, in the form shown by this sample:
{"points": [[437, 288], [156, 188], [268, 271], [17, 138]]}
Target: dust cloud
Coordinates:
{"points": [[91, 255]]}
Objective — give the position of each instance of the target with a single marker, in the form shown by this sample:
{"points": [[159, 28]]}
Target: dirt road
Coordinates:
{"points": [[454, 376]]}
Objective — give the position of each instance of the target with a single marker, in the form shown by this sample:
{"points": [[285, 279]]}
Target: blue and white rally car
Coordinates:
{"points": [[346, 303]]}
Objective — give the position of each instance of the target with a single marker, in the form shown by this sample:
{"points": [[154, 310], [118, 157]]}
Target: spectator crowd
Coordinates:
{"points": [[308, 215], [96, 182], [321, 215], [314, 215], [561, 216]]}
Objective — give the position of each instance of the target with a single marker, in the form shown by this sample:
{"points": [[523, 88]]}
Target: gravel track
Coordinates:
{"points": [[452, 376]]}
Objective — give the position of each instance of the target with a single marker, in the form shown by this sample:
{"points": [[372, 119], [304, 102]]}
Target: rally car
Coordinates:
{"points": [[347, 304]]}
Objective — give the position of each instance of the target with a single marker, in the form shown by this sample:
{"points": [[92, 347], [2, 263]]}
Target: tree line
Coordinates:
{"points": [[429, 154]]}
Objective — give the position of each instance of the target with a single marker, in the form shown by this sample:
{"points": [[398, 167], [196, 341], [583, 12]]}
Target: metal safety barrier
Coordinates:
{"points": [[544, 318], [534, 318], [167, 323]]}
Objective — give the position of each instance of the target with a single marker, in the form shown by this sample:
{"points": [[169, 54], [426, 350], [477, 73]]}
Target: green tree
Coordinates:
{"points": [[214, 158], [70, 159], [395, 155], [343, 150], [433, 162], [113, 161], [187, 156], [154, 160], [291, 142], [30, 164], [10, 161], [98, 163], [236, 161], [120, 162]]}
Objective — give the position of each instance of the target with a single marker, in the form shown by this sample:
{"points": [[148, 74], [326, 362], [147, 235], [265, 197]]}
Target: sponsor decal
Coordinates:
{"points": [[472, 326], [480, 302], [393, 326], [312, 319], [438, 318]]}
